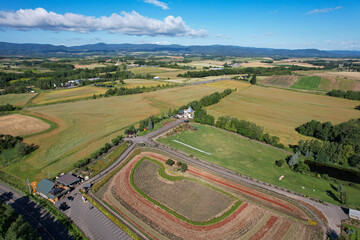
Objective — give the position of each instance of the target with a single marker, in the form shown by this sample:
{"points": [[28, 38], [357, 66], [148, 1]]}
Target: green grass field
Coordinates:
{"points": [[252, 159], [85, 126], [281, 111], [52, 96], [16, 99], [307, 83]]}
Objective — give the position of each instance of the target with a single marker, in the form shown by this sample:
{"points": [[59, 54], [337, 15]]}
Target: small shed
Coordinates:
{"points": [[354, 214], [68, 180]]}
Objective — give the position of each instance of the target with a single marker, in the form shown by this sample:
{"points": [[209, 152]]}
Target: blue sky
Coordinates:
{"points": [[276, 24]]}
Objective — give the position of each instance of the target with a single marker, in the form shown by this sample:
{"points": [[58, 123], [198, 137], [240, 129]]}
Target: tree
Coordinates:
{"points": [[280, 162], [150, 124], [184, 167], [253, 79], [170, 162], [294, 159], [302, 167]]}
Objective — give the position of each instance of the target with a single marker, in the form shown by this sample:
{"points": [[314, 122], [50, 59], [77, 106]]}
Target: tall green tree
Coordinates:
{"points": [[253, 79]]}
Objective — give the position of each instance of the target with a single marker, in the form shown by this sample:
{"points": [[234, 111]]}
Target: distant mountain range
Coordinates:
{"points": [[31, 49]]}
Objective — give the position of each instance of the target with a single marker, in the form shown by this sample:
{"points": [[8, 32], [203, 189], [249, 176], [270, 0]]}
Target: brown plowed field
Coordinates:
{"points": [[280, 81], [249, 221]]}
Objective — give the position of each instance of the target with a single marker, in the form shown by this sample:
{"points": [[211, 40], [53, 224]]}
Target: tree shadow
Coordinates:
{"points": [[44, 224], [333, 187], [332, 234], [333, 196]]}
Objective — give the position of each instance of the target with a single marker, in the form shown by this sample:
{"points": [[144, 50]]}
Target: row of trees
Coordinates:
{"points": [[242, 127], [353, 95], [128, 91], [99, 152], [208, 100], [13, 226], [249, 70]]}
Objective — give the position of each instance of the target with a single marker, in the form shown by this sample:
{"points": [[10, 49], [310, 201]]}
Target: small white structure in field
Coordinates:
{"points": [[354, 214], [156, 78]]}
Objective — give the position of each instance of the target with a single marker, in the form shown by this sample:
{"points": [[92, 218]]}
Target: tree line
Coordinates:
{"points": [[352, 95], [340, 142], [128, 91], [8, 108], [249, 70], [13, 226], [162, 64], [99, 152]]}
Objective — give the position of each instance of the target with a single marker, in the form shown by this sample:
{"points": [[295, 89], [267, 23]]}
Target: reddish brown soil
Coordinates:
{"points": [[237, 224]]}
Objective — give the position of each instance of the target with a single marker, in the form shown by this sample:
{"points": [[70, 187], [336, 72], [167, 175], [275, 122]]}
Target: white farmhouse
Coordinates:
{"points": [[186, 113]]}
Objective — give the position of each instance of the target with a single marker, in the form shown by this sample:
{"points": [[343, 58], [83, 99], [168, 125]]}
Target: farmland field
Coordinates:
{"points": [[84, 126], [52, 96], [158, 71], [21, 125], [281, 111], [307, 83], [284, 81], [16, 99], [257, 216], [245, 156], [133, 83]]}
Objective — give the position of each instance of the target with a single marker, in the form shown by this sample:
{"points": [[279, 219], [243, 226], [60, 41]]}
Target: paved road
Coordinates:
{"points": [[34, 214]]}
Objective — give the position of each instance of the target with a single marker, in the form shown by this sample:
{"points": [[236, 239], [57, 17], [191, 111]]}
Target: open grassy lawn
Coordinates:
{"points": [[16, 99], [84, 126], [281, 111], [307, 83], [252, 159], [52, 96]]}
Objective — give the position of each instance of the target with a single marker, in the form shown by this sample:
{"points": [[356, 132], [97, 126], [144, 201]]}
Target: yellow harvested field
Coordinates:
{"points": [[84, 126], [21, 125], [257, 64], [67, 94], [133, 83], [230, 84], [281, 111], [90, 66], [284, 81]]}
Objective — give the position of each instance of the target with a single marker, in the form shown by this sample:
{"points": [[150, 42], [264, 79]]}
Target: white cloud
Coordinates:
{"points": [[158, 4], [126, 23], [324, 10]]}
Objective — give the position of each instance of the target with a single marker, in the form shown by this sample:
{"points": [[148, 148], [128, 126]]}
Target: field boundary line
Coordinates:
{"points": [[191, 147]]}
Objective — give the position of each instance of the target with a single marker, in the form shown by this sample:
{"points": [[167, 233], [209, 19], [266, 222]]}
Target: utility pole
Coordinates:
{"points": [[28, 183]]}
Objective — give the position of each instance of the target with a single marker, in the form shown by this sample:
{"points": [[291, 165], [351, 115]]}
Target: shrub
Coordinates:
{"points": [[280, 162], [170, 162], [179, 163], [184, 167]]}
